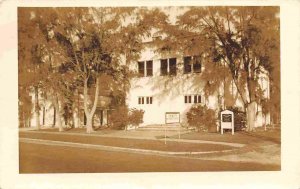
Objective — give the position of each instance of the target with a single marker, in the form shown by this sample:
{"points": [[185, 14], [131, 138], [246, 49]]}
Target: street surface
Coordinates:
{"points": [[40, 158]]}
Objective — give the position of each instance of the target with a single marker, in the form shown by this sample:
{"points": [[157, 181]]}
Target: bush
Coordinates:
{"points": [[201, 117], [122, 116], [239, 118], [135, 117], [119, 118]]}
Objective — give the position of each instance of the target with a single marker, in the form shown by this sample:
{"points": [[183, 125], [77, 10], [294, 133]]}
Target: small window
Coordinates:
{"points": [[187, 99], [141, 100], [197, 98], [141, 68], [148, 100], [172, 66], [149, 66], [197, 64], [164, 66], [187, 64]]}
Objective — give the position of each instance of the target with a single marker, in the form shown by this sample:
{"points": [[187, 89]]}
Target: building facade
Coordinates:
{"points": [[172, 83]]}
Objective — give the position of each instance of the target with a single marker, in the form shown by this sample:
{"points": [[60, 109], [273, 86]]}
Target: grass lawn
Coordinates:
{"points": [[128, 143], [258, 136]]}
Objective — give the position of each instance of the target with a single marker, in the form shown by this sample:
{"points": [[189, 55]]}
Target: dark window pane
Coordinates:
{"points": [[172, 64], [139, 100], [164, 67], [190, 99], [149, 66], [197, 64], [142, 100], [150, 100], [187, 64], [147, 100], [141, 67], [185, 99], [195, 99], [199, 98]]}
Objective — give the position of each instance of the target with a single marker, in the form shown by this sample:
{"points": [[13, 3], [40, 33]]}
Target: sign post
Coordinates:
{"points": [[227, 121], [171, 118]]}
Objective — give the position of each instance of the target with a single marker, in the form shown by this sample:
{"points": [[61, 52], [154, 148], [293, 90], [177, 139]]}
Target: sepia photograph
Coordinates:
{"points": [[149, 89]]}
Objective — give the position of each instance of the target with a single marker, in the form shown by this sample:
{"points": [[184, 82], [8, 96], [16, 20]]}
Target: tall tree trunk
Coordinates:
{"points": [[250, 113], [89, 124], [54, 117], [37, 107], [90, 114], [58, 114], [44, 111], [78, 111]]}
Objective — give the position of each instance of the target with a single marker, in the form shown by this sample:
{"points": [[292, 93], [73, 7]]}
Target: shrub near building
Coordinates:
{"points": [[122, 117], [203, 118]]}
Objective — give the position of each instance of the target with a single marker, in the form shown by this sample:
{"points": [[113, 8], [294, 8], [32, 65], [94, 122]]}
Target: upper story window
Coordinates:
{"points": [[149, 68], [168, 66], [187, 64], [141, 67], [192, 64], [145, 68]]}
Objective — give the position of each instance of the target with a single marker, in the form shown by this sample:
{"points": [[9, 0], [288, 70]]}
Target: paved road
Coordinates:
{"points": [[40, 158]]}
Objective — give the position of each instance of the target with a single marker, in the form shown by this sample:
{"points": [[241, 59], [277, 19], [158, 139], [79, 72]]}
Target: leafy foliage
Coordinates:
{"points": [[135, 116], [201, 117], [239, 118], [119, 118]]}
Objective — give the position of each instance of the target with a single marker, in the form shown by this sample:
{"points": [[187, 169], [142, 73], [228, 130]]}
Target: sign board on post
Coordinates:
{"points": [[172, 117], [227, 121]]}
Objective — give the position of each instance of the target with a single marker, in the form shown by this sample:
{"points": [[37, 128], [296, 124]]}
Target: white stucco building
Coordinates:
{"points": [[173, 84]]}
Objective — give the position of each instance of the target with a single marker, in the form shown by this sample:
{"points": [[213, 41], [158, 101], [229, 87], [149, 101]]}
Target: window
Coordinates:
{"points": [[149, 66], [141, 100], [188, 99], [168, 66], [148, 100], [148, 71], [141, 68], [187, 64], [197, 64], [197, 98], [164, 66], [172, 66], [192, 64]]}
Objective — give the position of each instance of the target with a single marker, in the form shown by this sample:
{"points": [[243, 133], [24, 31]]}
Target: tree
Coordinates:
{"points": [[31, 59], [246, 39], [95, 41]]}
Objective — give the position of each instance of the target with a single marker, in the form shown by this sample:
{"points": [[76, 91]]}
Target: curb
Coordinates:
{"points": [[113, 148], [238, 145]]}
